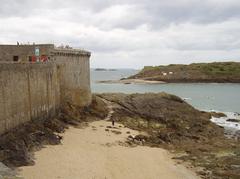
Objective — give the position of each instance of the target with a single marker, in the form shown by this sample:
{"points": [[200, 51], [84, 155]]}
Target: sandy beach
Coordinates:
{"points": [[94, 153], [132, 81]]}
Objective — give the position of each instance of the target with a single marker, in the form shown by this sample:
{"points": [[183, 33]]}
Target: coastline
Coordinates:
{"points": [[230, 123], [131, 81], [165, 81], [189, 136]]}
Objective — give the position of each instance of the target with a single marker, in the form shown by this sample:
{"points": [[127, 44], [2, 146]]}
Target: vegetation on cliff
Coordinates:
{"points": [[172, 123], [196, 72]]}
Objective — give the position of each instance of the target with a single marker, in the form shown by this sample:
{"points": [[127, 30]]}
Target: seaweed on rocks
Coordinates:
{"points": [[17, 146], [173, 124]]}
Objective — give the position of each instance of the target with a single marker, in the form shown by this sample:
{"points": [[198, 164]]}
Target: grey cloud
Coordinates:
{"points": [[28, 7], [161, 31], [156, 13], [162, 13]]}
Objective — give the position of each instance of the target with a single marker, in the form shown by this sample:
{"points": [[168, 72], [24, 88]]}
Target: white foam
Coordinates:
{"points": [[222, 121]]}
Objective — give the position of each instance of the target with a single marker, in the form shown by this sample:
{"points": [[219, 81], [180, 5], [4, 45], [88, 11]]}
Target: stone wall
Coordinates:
{"points": [[27, 92], [37, 90], [75, 77]]}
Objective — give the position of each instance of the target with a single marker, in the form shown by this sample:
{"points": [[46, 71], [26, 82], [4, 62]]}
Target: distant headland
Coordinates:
{"points": [[104, 69], [216, 72]]}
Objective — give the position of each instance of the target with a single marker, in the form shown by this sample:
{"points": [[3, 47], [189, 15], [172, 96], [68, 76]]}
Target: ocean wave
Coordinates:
{"points": [[231, 123]]}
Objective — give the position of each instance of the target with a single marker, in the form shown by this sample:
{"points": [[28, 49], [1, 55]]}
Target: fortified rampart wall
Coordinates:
{"points": [[75, 77], [37, 90], [27, 92]]}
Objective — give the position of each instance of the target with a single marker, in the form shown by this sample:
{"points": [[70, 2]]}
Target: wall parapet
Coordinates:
{"points": [[70, 52]]}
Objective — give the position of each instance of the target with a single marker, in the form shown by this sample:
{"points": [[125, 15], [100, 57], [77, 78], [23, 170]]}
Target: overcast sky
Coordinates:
{"points": [[129, 33]]}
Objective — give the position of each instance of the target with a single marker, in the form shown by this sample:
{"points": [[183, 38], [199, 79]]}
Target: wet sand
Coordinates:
{"points": [[93, 153]]}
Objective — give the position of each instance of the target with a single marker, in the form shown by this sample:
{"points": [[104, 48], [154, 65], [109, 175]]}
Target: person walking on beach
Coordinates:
{"points": [[113, 122]]}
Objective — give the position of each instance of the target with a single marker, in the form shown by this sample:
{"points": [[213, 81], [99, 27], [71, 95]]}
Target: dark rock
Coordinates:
{"points": [[218, 114], [130, 137], [141, 137], [233, 120], [172, 123]]}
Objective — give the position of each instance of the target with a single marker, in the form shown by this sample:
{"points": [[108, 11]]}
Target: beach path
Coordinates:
{"points": [[94, 153]]}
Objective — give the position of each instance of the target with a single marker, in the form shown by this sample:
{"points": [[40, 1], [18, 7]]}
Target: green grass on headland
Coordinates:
{"points": [[227, 68], [195, 72]]}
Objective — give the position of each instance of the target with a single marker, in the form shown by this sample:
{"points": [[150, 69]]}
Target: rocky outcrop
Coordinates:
{"points": [[172, 123], [165, 113]]}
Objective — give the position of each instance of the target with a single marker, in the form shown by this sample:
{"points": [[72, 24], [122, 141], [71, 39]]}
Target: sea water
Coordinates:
{"points": [[224, 97]]}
